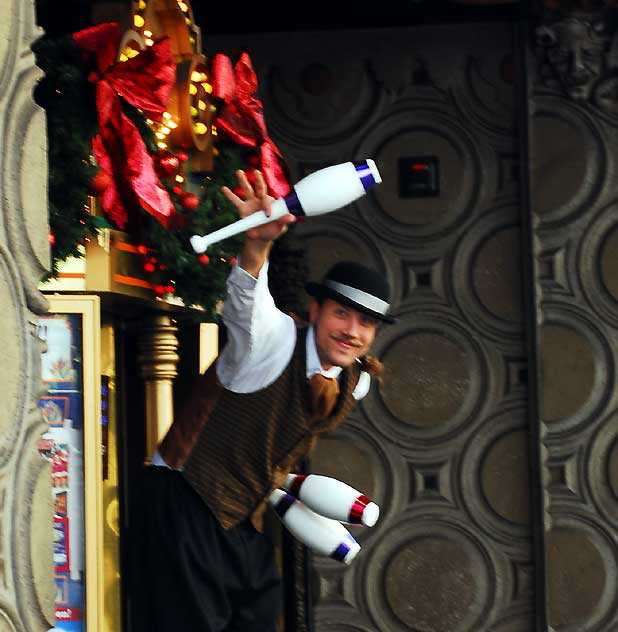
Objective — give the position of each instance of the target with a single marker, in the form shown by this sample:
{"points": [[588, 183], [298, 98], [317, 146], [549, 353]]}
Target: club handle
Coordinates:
{"points": [[200, 243]]}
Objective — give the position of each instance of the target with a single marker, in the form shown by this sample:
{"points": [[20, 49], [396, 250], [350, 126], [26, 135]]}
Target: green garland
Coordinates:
{"points": [[168, 259]]}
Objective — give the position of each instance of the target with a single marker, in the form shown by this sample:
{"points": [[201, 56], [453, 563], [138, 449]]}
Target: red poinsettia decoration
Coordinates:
{"points": [[241, 117], [145, 81]]}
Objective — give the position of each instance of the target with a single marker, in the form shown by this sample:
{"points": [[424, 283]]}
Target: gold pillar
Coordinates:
{"points": [[158, 363]]}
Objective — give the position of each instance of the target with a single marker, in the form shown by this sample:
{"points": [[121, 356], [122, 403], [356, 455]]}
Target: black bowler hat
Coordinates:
{"points": [[356, 286]]}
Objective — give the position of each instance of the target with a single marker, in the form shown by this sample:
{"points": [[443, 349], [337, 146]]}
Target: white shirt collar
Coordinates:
{"points": [[313, 361]]}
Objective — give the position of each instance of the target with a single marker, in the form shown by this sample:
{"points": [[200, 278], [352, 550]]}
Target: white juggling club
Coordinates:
{"points": [[332, 498], [320, 192], [321, 535]]}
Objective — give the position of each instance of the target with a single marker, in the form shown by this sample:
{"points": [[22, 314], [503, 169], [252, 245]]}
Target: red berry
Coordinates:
{"points": [[149, 267], [170, 288], [159, 289], [232, 261], [51, 238], [190, 201], [182, 155], [204, 259], [166, 164]]}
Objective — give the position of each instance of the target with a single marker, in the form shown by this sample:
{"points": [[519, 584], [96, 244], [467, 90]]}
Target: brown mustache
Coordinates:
{"points": [[354, 342]]}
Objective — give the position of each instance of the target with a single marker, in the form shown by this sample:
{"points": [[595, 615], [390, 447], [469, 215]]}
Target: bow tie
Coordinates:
{"points": [[324, 394]]}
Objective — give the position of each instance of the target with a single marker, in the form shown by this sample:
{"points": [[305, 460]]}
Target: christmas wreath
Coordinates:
{"points": [[101, 143]]}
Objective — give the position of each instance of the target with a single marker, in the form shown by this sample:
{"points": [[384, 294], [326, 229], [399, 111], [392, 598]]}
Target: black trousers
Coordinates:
{"points": [[187, 573]]}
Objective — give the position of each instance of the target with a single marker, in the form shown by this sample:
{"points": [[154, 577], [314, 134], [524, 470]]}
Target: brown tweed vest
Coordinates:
{"points": [[240, 446]]}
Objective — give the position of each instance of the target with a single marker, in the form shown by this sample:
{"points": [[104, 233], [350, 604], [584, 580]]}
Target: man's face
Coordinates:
{"points": [[342, 334]]}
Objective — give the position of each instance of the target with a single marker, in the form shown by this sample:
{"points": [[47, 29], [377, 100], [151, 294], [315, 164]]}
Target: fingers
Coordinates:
{"points": [[260, 184], [245, 185], [232, 197]]}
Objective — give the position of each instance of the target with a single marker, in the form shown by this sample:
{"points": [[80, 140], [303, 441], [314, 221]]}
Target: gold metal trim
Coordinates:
{"points": [[89, 308]]}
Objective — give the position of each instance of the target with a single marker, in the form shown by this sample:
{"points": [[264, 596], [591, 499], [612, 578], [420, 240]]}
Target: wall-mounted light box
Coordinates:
{"points": [[419, 176]]}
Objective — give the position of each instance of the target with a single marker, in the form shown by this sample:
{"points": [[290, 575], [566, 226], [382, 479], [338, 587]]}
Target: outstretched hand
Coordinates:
{"points": [[257, 200]]}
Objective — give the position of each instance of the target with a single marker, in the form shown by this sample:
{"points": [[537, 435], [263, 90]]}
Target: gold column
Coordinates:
{"points": [[111, 525], [158, 363]]}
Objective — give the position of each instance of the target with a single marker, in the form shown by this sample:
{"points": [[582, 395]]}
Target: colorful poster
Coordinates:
{"points": [[63, 408]]}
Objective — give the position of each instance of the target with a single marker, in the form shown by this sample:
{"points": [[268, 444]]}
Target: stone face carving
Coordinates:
{"points": [[578, 55]]}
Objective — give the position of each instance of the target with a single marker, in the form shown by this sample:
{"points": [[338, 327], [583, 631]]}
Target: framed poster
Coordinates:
{"points": [[70, 369]]}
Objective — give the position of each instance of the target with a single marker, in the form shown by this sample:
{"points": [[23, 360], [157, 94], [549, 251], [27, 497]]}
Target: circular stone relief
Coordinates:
{"points": [[609, 264], [427, 378], [321, 101], [434, 374], [430, 583], [565, 178], [577, 576], [576, 370], [602, 468], [428, 574], [486, 277], [596, 265], [10, 339], [504, 477], [409, 222], [496, 456], [496, 275]]}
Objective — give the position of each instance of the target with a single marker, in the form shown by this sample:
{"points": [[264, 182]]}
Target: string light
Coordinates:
{"points": [[192, 89], [200, 128], [148, 42], [138, 21], [162, 145], [179, 178], [167, 115], [147, 33], [201, 105]]}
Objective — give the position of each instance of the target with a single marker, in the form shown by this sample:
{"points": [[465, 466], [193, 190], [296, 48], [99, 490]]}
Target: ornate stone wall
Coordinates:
{"points": [[26, 564], [573, 134]]}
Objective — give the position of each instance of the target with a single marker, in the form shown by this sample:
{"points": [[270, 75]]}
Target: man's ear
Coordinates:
{"points": [[314, 310]]}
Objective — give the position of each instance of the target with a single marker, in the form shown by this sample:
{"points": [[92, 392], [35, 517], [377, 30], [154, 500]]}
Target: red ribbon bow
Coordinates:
{"points": [[145, 81], [242, 117]]}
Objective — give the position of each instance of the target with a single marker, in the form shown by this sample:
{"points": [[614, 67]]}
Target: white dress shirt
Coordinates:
{"points": [[261, 340]]}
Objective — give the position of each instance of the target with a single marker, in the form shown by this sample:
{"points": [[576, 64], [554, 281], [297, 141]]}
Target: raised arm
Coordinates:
{"points": [[258, 241], [260, 337]]}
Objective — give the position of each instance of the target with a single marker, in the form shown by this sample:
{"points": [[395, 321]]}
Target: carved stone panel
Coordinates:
{"points": [[574, 135], [26, 547]]}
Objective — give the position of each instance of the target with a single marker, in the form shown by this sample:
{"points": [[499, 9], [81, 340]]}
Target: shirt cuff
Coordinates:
{"points": [[243, 279]]}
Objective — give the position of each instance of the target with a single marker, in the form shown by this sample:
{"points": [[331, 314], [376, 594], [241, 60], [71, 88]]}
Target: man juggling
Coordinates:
{"points": [[200, 561]]}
